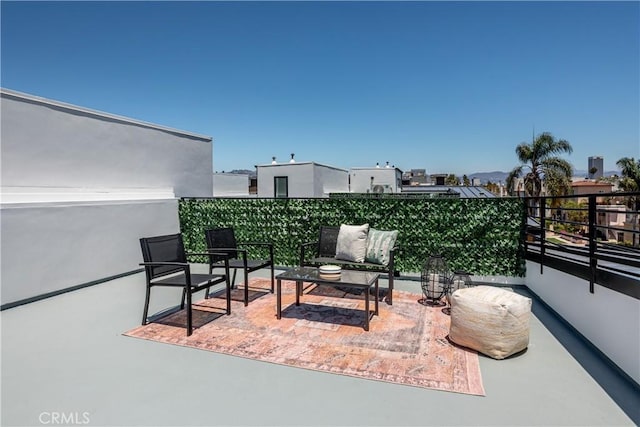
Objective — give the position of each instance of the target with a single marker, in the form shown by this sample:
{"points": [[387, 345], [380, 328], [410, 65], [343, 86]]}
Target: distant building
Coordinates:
{"points": [[415, 177], [438, 179], [230, 185], [590, 187], [387, 179], [300, 179], [614, 220], [459, 191], [597, 165]]}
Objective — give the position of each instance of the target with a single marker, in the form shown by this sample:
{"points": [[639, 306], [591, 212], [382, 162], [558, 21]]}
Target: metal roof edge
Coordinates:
{"points": [[114, 117], [378, 169], [302, 163]]}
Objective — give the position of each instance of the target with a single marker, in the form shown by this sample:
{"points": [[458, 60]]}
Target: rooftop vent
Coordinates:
{"points": [[292, 159], [273, 160]]}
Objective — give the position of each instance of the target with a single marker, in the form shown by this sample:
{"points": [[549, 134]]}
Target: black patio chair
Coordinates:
{"points": [[165, 264], [224, 240]]}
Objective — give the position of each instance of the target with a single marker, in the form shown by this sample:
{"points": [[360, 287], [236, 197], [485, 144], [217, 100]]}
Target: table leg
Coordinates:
{"points": [[279, 298], [298, 291], [366, 309]]}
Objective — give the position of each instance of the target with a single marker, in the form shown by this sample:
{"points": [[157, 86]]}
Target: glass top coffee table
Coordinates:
{"points": [[362, 280]]}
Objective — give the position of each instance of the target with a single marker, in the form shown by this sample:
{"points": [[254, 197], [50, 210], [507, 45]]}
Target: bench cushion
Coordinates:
{"points": [[352, 242], [379, 246]]}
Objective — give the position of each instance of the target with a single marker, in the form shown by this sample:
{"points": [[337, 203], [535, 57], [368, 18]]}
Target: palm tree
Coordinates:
{"points": [[630, 169], [630, 181], [557, 184], [539, 160]]}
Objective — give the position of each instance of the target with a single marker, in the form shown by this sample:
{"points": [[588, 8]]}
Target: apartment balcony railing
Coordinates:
{"points": [[595, 237]]}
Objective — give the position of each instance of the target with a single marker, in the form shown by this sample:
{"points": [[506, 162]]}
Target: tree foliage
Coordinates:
{"points": [[630, 181], [451, 179], [630, 169], [493, 187], [539, 162]]}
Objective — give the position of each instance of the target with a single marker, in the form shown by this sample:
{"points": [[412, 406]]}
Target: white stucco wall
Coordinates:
{"points": [[47, 247], [330, 180], [306, 179], [80, 187], [361, 182], [230, 185], [47, 143], [607, 318]]}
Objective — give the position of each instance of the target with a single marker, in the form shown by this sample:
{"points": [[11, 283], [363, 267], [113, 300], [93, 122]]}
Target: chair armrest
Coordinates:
{"points": [[255, 244], [163, 263], [209, 255], [303, 248], [224, 250], [392, 255], [261, 244], [228, 251], [184, 265], [221, 253]]}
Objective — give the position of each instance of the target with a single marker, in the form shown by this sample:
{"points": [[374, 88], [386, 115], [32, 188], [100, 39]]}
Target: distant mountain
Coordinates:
{"points": [[484, 177], [498, 176], [584, 172]]}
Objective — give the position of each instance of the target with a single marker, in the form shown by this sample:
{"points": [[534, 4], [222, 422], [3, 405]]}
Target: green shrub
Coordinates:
{"points": [[482, 236]]}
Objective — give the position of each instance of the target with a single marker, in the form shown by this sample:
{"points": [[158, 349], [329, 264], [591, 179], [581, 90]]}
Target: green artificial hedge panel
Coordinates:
{"points": [[481, 236]]}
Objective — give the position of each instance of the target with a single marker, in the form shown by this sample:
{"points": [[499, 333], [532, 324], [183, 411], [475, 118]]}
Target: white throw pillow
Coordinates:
{"points": [[352, 242]]}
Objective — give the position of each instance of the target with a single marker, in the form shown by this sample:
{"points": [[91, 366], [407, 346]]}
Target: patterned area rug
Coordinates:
{"points": [[406, 344]]}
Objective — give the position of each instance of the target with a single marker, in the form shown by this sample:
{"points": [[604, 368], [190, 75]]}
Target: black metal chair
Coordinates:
{"points": [[224, 240], [165, 264]]}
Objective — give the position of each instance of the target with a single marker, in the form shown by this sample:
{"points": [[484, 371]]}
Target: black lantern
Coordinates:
{"points": [[434, 280], [459, 280]]}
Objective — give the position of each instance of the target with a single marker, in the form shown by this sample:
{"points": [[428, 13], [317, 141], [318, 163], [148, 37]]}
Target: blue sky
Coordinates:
{"points": [[451, 87]]}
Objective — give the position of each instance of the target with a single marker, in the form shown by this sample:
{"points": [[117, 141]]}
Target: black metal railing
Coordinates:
{"points": [[593, 236]]}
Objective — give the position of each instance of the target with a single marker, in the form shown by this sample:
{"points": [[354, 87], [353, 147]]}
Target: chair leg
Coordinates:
{"points": [[246, 287], [272, 277], [145, 312], [233, 281], [206, 293], [228, 296], [184, 293], [228, 286], [390, 293], [189, 312]]}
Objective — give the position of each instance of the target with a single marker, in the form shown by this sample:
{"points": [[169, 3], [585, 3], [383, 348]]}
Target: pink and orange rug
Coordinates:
{"points": [[406, 344]]}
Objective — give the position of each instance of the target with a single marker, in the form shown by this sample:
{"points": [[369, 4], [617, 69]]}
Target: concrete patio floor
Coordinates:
{"points": [[67, 355]]}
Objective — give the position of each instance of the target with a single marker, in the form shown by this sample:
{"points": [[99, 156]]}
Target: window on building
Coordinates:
{"points": [[281, 187]]}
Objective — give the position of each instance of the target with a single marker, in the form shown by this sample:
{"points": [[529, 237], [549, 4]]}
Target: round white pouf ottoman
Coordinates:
{"points": [[490, 320]]}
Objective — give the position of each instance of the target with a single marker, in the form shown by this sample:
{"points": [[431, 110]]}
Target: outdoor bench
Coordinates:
{"points": [[323, 252]]}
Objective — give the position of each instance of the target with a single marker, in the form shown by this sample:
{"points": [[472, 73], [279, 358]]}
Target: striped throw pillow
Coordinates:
{"points": [[379, 245]]}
